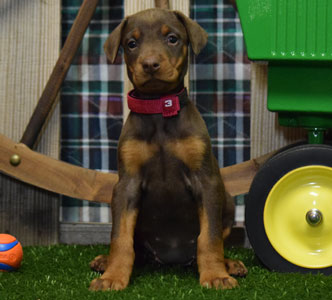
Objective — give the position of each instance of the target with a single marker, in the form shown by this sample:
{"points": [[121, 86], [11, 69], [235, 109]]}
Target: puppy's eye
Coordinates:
{"points": [[132, 44], [172, 39]]}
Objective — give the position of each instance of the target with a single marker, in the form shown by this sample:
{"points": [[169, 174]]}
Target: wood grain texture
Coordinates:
{"points": [[29, 47], [28, 213], [54, 175], [48, 98], [162, 3], [238, 178]]}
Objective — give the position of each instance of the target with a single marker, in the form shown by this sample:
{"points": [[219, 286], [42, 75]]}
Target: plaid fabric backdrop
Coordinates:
{"points": [[91, 100]]}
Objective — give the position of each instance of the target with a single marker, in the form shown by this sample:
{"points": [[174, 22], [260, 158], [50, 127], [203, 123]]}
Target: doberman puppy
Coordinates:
{"points": [[169, 203]]}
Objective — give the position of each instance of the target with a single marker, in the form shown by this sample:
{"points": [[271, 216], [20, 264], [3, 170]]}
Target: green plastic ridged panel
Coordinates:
{"points": [[287, 29]]}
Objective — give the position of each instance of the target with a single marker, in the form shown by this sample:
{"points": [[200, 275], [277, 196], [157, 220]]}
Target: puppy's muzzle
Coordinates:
{"points": [[150, 65]]}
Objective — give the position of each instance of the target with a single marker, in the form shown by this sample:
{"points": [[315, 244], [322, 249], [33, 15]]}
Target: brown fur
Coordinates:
{"points": [[170, 198]]}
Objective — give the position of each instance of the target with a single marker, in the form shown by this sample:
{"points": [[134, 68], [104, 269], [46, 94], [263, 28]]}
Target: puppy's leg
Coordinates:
{"points": [[120, 261], [210, 247], [233, 267]]}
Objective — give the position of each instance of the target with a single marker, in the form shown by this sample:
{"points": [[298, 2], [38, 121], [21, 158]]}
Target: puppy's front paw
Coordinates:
{"points": [[99, 264], [218, 281], [107, 284], [236, 267]]}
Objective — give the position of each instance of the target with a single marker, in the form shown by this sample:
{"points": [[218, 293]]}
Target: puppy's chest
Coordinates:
{"points": [[135, 153]]}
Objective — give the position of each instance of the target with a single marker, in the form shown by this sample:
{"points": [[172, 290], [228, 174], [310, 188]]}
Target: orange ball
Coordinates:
{"points": [[11, 253]]}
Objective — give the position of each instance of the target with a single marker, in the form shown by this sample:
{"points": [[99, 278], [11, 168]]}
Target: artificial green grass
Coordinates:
{"points": [[62, 272]]}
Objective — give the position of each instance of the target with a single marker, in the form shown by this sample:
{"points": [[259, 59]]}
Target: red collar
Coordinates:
{"points": [[168, 106]]}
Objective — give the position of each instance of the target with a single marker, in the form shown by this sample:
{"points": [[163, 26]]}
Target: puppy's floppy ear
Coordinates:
{"points": [[197, 35], [113, 41]]}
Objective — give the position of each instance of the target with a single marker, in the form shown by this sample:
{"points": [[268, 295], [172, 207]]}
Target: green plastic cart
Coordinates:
{"points": [[289, 207]]}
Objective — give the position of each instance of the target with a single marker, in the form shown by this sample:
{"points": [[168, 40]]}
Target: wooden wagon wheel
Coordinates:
{"points": [[19, 161]]}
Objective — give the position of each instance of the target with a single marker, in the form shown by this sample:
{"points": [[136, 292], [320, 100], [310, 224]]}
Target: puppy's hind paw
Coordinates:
{"points": [[236, 267]]}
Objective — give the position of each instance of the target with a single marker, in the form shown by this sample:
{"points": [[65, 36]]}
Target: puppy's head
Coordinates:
{"points": [[155, 44]]}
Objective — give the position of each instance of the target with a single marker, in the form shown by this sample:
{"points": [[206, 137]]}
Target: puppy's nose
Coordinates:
{"points": [[150, 65]]}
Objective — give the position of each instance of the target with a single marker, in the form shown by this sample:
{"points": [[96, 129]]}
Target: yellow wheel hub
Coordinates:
{"points": [[298, 217]]}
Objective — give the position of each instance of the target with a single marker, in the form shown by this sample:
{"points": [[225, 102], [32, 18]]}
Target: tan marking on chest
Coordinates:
{"points": [[134, 154], [190, 150]]}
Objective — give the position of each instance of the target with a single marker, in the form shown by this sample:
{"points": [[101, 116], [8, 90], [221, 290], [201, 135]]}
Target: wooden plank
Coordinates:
{"points": [[51, 90], [238, 178], [85, 233], [29, 47], [54, 175], [162, 3], [28, 213], [100, 233]]}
